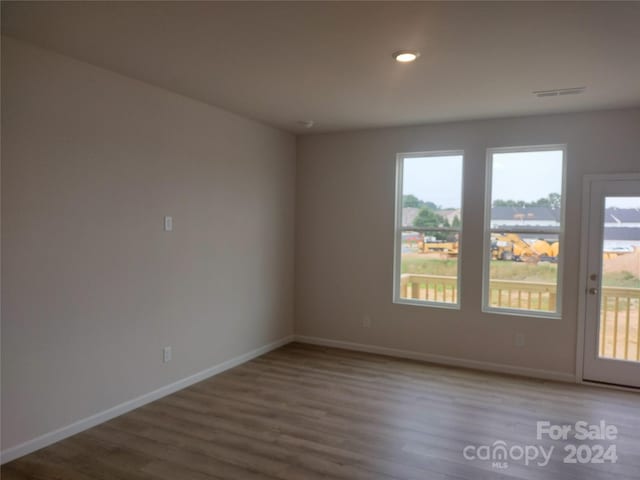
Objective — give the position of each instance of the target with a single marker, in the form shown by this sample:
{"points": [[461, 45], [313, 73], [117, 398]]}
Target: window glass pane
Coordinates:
{"points": [[523, 271], [432, 191], [526, 189], [619, 329], [525, 223], [431, 201], [429, 266]]}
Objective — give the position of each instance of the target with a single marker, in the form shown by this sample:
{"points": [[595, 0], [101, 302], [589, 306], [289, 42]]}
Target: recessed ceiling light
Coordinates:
{"points": [[306, 123], [406, 56]]}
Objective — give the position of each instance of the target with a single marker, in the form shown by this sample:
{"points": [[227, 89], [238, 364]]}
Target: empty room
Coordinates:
{"points": [[304, 240]]}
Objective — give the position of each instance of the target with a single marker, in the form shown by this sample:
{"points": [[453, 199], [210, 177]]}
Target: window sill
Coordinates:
{"points": [[523, 313], [423, 303]]}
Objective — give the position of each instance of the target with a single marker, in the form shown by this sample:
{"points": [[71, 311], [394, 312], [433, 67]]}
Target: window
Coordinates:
{"points": [[428, 229], [524, 221]]}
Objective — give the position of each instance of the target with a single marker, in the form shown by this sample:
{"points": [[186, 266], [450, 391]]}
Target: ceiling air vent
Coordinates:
{"points": [[559, 92]]}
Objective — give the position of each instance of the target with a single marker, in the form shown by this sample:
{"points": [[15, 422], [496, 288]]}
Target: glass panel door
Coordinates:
{"points": [[620, 293], [612, 323]]}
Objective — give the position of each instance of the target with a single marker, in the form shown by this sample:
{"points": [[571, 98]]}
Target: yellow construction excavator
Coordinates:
{"points": [[510, 246], [501, 249], [431, 245]]}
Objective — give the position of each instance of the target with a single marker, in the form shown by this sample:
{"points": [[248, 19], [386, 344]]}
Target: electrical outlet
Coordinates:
{"points": [[366, 321], [519, 340], [166, 354]]}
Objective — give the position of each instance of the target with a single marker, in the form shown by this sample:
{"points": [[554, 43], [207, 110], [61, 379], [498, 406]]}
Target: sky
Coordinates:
{"points": [[622, 202], [516, 176], [434, 179], [524, 176]]}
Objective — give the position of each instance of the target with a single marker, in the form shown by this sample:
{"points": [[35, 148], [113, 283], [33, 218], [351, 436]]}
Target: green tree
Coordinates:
{"points": [[455, 222], [411, 201], [431, 205], [509, 203], [429, 218], [541, 202], [553, 200]]}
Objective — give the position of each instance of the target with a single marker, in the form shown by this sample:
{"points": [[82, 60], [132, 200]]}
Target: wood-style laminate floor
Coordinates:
{"points": [[307, 412]]}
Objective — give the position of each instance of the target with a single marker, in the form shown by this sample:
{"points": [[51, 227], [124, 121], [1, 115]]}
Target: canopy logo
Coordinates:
{"points": [[500, 453]]}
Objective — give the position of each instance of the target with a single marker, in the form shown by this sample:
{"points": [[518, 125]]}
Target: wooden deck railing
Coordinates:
{"points": [[525, 295], [620, 309], [436, 288], [620, 323]]}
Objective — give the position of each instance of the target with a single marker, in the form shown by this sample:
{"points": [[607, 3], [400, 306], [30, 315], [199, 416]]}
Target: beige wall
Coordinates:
{"points": [[345, 233], [93, 288]]}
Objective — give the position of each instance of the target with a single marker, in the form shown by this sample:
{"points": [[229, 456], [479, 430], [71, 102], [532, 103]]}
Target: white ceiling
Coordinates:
{"points": [[331, 62]]}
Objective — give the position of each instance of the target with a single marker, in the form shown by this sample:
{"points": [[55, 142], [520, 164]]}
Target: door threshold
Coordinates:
{"points": [[612, 386]]}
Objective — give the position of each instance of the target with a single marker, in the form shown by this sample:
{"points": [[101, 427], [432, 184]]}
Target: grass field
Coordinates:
{"points": [[428, 265], [503, 270], [621, 279]]}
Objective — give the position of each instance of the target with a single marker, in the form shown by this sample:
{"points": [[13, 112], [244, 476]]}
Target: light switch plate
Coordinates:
{"points": [[168, 224]]}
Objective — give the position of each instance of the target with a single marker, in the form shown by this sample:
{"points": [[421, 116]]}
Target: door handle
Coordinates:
{"points": [[593, 291]]}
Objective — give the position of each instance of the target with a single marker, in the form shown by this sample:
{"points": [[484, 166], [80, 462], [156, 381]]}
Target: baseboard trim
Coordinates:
{"points": [[441, 359], [76, 427]]}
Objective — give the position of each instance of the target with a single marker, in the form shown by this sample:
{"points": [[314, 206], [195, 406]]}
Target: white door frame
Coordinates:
{"points": [[582, 281]]}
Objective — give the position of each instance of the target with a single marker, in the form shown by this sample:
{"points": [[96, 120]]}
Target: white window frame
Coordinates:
{"points": [[397, 244], [486, 307]]}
